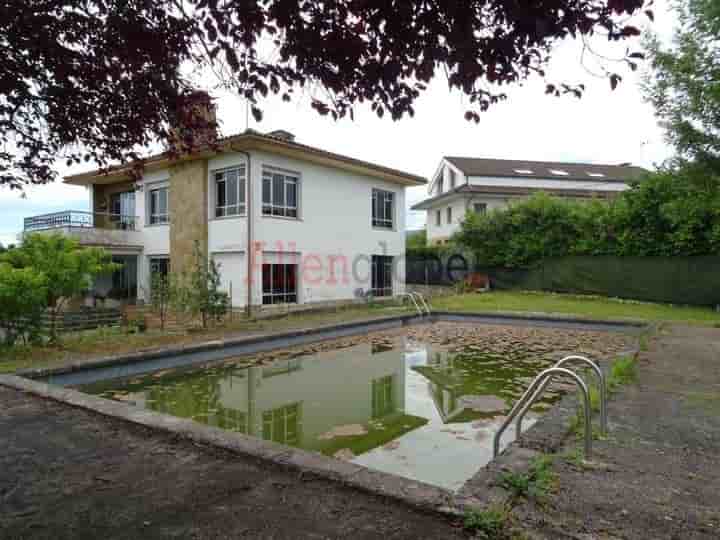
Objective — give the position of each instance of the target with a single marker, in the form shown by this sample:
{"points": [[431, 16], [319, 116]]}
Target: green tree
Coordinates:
{"points": [[416, 239], [683, 85], [204, 295], [68, 269], [23, 293], [162, 296]]}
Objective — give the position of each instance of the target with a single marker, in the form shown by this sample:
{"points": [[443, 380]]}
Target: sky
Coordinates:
{"points": [[603, 127]]}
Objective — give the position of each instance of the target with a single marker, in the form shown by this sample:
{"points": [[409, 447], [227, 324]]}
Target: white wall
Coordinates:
{"points": [[444, 172], [548, 183], [155, 238], [445, 230], [332, 234]]}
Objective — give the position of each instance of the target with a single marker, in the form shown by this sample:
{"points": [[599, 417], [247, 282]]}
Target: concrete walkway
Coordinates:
{"points": [[658, 475]]}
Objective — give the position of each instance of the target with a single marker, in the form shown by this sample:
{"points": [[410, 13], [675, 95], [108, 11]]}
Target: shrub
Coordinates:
{"points": [[68, 269], [23, 293], [667, 214]]}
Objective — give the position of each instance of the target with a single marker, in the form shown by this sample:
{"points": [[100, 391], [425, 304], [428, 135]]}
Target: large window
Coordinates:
{"points": [[279, 193], [279, 283], [124, 279], [230, 192], [383, 209], [158, 206], [381, 269]]}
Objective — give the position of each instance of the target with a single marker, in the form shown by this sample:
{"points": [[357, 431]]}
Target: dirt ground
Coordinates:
{"points": [[657, 475], [67, 473]]}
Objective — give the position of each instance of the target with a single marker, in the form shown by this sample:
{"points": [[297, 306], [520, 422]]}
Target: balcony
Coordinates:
{"points": [[89, 228]]}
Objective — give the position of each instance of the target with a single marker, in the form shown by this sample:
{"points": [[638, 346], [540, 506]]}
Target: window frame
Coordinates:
{"points": [[481, 212], [284, 210], [151, 217], [386, 264], [380, 223], [240, 193], [449, 215], [284, 296], [438, 218]]}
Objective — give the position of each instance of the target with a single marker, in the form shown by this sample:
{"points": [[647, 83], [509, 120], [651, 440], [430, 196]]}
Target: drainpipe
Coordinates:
{"points": [[250, 219]]}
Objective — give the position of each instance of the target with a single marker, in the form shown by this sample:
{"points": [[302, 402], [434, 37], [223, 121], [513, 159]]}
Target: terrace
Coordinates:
{"points": [[89, 228]]}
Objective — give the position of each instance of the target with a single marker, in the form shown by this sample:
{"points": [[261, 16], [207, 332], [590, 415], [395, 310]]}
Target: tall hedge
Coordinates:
{"points": [[666, 214]]}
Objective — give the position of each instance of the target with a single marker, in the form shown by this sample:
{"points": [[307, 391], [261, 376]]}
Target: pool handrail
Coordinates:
{"points": [[411, 297], [530, 392], [602, 383], [422, 302]]}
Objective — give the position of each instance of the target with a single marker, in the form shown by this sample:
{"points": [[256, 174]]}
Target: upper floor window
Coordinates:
{"points": [[383, 209], [452, 178], [280, 193], [158, 206], [449, 215], [230, 192], [480, 208]]}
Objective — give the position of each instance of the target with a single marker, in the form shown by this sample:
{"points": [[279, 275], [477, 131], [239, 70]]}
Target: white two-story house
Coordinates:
{"points": [[462, 184], [287, 223]]}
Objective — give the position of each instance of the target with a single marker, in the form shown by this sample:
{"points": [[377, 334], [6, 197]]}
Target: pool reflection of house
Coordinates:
{"points": [[296, 401], [453, 388]]}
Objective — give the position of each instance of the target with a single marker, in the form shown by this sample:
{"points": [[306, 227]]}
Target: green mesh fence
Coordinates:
{"points": [[677, 280]]}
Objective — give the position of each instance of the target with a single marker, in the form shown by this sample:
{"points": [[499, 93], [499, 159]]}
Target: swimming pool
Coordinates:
{"points": [[421, 402]]}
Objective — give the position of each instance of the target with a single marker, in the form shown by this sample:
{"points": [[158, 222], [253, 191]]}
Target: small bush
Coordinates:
{"points": [[491, 524], [535, 483], [623, 371]]}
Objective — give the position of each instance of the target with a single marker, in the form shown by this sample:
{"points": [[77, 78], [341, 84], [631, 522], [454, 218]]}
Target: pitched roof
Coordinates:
{"points": [[511, 168], [251, 139]]}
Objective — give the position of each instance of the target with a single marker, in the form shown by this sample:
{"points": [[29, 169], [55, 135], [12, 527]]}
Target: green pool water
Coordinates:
{"points": [[410, 409]]}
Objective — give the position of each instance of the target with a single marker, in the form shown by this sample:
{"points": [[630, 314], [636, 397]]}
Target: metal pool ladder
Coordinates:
{"points": [[418, 300], [540, 384], [422, 302]]}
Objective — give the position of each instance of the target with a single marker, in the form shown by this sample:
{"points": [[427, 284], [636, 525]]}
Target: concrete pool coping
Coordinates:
{"points": [[275, 340], [478, 492]]}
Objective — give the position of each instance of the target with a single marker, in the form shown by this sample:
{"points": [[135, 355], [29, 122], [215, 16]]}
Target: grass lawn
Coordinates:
{"points": [[110, 341], [584, 306]]}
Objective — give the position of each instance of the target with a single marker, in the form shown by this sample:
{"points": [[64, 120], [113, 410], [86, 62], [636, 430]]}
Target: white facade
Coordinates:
{"points": [[453, 190], [331, 241]]}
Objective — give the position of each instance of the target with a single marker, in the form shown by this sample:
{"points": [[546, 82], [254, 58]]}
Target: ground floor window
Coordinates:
{"points": [[124, 280], [381, 269], [279, 283]]}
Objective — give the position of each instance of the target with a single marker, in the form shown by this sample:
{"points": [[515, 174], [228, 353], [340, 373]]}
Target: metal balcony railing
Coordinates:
{"points": [[81, 219]]}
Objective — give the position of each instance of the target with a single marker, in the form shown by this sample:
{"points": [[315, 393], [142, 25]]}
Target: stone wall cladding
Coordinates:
{"points": [[188, 213]]}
